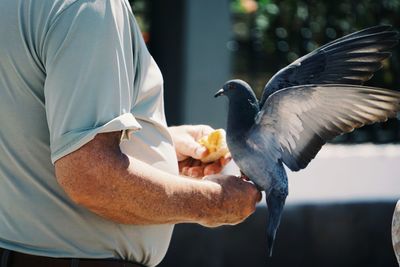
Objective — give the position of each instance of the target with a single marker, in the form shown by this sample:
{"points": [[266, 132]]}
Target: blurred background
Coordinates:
{"points": [[340, 208]]}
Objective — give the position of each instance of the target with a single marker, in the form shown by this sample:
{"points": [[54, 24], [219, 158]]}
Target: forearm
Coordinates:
{"points": [[127, 190], [141, 194]]}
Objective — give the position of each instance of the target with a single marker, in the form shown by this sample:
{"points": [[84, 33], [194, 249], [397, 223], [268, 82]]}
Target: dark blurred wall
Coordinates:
{"points": [[167, 41], [207, 61], [189, 42]]}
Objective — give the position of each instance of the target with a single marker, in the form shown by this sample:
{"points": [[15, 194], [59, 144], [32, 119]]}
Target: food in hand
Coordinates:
{"points": [[216, 145]]}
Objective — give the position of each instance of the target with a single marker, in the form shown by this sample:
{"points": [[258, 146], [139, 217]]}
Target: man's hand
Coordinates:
{"points": [[237, 199], [189, 151]]}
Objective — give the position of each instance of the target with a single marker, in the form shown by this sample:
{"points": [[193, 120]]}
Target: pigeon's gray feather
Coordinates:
{"points": [[302, 118], [348, 60]]}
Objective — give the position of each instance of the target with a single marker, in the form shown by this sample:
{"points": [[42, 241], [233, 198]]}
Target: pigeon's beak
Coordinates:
{"points": [[219, 93]]}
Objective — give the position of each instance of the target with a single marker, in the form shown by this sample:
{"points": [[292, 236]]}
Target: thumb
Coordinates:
{"points": [[194, 150]]}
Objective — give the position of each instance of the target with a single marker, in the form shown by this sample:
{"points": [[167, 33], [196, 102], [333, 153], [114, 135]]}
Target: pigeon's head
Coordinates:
{"points": [[236, 89], [243, 105]]}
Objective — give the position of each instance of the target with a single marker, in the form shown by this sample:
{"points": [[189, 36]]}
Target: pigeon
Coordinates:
{"points": [[314, 99]]}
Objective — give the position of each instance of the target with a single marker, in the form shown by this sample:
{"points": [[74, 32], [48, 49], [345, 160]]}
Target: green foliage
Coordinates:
{"points": [[278, 32], [140, 8]]}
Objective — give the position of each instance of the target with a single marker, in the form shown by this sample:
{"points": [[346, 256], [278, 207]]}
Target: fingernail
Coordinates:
{"points": [[224, 161], [200, 151], [195, 172], [185, 170]]}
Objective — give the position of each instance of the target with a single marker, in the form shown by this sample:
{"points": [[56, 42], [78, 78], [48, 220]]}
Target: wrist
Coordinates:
{"points": [[210, 203]]}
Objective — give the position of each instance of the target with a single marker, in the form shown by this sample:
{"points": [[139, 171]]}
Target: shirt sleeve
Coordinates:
{"points": [[89, 56]]}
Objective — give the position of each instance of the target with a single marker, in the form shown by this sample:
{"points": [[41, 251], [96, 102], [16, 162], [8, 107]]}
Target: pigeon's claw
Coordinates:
{"points": [[244, 176]]}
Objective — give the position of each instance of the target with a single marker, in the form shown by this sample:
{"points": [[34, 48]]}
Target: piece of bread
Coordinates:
{"points": [[216, 145]]}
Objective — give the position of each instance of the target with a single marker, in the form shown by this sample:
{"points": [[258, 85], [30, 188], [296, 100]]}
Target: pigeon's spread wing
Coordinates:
{"points": [[351, 59], [302, 118]]}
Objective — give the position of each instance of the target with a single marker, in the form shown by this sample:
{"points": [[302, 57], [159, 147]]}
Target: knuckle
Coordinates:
{"points": [[206, 128], [211, 169]]}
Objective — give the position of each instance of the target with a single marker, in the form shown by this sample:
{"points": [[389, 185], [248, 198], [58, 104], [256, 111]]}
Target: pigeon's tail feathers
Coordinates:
{"points": [[275, 204], [271, 241]]}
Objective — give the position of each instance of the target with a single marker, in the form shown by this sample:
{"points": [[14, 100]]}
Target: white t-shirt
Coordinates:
{"points": [[71, 69]]}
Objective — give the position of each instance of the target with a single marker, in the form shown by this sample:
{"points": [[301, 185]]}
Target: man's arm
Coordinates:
{"points": [[120, 188]]}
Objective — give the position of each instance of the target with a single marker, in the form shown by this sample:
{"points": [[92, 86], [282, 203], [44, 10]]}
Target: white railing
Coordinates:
{"points": [[347, 173], [343, 173]]}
